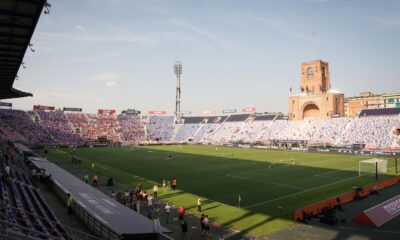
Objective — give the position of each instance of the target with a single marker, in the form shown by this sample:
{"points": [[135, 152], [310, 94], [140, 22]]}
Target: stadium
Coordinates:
{"points": [[326, 169]]}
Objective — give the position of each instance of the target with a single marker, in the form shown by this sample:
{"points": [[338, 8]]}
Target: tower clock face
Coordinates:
{"points": [[310, 72]]}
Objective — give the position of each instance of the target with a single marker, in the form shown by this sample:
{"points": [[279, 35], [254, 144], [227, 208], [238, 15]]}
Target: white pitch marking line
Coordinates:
{"points": [[312, 162], [323, 173], [294, 194], [320, 161], [268, 182], [327, 177]]}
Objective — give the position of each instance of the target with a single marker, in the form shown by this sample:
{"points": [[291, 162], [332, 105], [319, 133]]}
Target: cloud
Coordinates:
{"points": [[101, 57], [225, 44], [105, 77], [111, 83], [109, 37], [282, 27], [80, 28]]}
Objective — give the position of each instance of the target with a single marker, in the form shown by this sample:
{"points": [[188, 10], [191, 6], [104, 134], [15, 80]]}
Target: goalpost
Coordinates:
{"points": [[370, 167]]}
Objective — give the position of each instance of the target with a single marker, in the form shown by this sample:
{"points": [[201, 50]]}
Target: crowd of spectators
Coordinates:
{"points": [[250, 131], [25, 125], [373, 131], [59, 128], [160, 128], [56, 123], [131, 128], [205, 130], [69, 129], [83, 126], [224, 132], [186, 132]]}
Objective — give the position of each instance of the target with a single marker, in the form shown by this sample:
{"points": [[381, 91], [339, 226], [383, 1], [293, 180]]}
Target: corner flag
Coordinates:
{"points": [[239, 200]]}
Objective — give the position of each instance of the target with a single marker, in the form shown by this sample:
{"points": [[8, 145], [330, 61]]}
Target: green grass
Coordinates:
{"points": [[270, 186]]}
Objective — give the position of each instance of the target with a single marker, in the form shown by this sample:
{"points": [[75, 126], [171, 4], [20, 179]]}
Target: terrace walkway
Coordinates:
{"points": [[348, 230]]}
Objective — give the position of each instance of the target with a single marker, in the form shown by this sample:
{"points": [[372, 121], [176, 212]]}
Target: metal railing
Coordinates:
{"points": [[96, 226], [17, 229]]}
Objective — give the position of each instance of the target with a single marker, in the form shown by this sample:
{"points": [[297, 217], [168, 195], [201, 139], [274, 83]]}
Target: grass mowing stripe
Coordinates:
{"points": [[327, 172], [294, 194], [268, 182]]}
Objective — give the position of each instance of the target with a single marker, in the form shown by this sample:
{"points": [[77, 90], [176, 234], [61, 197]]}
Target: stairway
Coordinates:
{"points": [[176, 129]]}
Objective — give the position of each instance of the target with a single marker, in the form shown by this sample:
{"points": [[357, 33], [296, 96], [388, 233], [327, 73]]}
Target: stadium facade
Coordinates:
{"points": [[316, 99], [368, 100]]}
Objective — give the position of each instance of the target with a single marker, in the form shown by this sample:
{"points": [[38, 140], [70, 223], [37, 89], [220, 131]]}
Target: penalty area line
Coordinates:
{"points": [[301, 192]]}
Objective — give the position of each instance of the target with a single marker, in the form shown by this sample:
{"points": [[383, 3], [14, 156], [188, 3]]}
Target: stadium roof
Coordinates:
{"points": [[18, 19]]}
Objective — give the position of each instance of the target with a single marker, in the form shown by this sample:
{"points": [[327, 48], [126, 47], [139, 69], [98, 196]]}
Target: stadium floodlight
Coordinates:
{"points": [[178, 69], [178, 73]]}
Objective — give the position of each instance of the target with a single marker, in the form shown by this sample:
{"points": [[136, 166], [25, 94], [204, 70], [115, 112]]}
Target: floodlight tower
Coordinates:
{"points": [[178, 72]]}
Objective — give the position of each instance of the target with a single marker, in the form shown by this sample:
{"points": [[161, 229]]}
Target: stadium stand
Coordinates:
{"points": [[223, 133], [237, 118], [22, 123], [268, 117], [193, 120], [373, 131], [79, 129], [131, 128], [217, 119], [24, 207], [186, 132], [251, 131], [204, 131], [379, 112], [58, 127], [160, 128]]}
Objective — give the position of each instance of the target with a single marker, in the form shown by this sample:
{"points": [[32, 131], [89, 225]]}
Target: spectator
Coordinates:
{"points": [[167, 212], [173, 184], [184, 228], [181, 213], [69, 203], [202, 224], [95, 179], [86, 178], [156, 218], [199, 204], [206, 223], [7, 171], [155, 190]]}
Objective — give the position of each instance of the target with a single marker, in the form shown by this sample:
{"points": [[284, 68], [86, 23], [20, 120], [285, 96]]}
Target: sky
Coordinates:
{"points": [[119, 54]]}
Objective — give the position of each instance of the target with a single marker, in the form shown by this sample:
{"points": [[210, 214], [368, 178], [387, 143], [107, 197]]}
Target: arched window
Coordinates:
{"points": [[310, 72]]}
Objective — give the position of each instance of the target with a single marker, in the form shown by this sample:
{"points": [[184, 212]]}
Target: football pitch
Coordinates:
{"points": [[249, 190]]}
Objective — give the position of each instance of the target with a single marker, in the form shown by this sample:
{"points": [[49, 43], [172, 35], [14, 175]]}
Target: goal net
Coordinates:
{"points": [[368, 167]]}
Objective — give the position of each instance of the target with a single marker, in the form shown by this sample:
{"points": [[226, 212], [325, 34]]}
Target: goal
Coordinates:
{"points": [[368, 167]]}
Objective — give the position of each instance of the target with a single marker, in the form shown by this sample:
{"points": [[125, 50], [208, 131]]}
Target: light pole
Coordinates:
{"points": [[178, 73]]}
